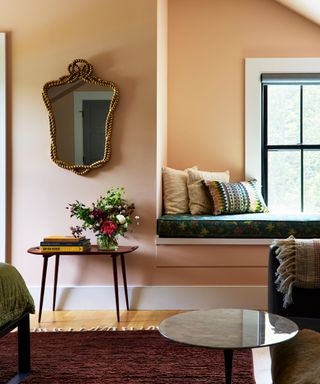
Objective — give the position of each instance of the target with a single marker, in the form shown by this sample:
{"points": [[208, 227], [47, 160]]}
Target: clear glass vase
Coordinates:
{"points": [[105, 243]]}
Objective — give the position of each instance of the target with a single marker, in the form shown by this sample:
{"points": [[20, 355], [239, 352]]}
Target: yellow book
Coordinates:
{"points": [[60, 238], [64, 248]]}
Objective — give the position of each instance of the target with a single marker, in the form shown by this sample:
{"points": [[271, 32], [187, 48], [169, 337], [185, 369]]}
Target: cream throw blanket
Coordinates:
{"points": [[299, 265]]}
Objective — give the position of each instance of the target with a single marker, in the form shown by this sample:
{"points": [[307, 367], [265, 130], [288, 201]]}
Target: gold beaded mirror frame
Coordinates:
{"points": [[80, 108]]}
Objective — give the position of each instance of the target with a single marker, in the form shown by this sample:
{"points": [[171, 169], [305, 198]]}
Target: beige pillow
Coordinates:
{"points": [[200, 201], [175, 191]]}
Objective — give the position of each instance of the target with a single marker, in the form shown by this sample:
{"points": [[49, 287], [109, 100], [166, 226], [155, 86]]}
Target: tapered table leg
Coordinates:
{"points": [[115, 278], [228, 357], [56, 271], [43, 283], [124, 276]]}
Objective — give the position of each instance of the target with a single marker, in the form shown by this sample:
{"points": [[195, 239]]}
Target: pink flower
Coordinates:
{"points": [[108, 228]]}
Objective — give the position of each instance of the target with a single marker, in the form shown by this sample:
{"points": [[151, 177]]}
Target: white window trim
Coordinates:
{"points": [[253, 70], [2, 146]]}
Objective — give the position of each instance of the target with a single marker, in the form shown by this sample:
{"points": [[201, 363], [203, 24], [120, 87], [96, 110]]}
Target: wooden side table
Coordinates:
{"points": [[120, 252]]}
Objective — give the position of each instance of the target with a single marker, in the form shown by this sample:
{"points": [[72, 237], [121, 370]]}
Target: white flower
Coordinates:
{"points": [[137, 217], [121, 219]]}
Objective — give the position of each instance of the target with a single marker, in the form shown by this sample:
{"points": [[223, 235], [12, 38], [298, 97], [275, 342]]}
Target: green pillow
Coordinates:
{"points": [[232, 198]]}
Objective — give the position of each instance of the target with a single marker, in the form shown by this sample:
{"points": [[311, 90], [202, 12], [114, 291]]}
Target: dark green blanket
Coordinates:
{"points": [[15, 299]]}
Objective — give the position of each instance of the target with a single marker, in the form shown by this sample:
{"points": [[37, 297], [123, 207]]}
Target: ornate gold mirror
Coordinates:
{"points": [[80, 108]]}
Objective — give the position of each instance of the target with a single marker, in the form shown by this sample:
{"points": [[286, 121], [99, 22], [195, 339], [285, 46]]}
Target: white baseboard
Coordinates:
{"points": [[154, 297]]}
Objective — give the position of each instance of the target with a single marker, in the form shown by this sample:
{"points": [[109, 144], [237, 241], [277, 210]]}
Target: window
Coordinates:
{"points": [[255, 133], [291, 141]]}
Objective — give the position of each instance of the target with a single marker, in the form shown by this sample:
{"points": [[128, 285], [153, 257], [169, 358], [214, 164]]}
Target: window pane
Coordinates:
{"points": [[312, 181], [311, 114], [284, 181], [283, 114]]}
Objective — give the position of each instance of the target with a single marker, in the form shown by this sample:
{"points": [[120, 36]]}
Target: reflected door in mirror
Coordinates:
{"points": [[94, 116]]}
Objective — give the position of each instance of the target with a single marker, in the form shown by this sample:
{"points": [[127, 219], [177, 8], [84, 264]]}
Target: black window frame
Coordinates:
{"points": [[283, 79]]}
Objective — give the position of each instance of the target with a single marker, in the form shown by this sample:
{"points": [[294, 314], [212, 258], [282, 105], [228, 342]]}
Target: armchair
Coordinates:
{"points": [[305, 310], [295, 361]]}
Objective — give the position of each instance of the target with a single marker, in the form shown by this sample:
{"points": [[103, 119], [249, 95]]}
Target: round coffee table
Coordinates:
{"points": [[228, 329]]}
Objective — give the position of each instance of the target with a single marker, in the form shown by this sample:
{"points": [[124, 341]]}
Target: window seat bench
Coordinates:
{"points": [[243, 226]]}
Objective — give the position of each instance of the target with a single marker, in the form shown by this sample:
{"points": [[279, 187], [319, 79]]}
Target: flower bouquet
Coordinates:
{"points": [[108, 218]]}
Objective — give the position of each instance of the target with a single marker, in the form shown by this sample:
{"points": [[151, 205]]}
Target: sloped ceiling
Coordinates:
{"points": [[307, 8]]}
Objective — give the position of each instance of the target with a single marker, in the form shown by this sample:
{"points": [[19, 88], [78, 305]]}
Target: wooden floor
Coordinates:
{"points": [[89, 320], [92, 319]]}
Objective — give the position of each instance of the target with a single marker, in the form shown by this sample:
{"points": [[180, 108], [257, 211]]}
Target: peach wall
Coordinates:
{"points": [[207, 47], [208, 42], [118, 37]]}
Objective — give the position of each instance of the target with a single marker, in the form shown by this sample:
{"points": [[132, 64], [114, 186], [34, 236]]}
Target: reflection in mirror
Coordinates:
{"points": [[80, 110]]}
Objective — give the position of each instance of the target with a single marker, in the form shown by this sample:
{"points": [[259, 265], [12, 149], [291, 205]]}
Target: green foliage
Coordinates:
{"points": [[113, 198], [109, 216]]}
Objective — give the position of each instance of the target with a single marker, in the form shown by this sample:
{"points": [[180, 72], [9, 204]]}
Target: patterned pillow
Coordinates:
{"points": [[231, 198]]}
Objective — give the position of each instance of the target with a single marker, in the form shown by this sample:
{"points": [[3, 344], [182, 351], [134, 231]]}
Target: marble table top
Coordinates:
{"points": [[228, 328]]}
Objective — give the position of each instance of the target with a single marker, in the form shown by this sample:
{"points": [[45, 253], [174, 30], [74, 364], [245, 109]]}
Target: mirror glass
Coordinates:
{"points": [[80, 110]]}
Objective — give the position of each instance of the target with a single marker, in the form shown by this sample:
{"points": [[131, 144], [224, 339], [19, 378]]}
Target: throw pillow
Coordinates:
{"points": [[231, 198], [175, 192], [200, 202]]}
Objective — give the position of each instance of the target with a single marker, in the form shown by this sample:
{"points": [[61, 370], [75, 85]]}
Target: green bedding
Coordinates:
{"points": [[15, 299]]}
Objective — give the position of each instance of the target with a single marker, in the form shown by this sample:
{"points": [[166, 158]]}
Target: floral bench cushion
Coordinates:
{"points": [[251, 225]]}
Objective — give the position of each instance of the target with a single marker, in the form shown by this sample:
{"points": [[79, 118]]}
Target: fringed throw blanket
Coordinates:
{"points": [[299, 265]]}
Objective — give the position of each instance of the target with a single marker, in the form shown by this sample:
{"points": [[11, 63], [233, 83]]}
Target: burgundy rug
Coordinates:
{"points": [[123, 357]]}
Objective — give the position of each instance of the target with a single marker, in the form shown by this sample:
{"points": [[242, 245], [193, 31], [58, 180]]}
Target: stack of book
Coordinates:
{"points": [[64, 244]]}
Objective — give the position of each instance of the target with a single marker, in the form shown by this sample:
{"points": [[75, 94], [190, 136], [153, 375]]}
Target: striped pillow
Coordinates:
{"points": [[231, 198]]}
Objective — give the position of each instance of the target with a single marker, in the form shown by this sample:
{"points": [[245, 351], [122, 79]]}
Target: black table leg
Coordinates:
{"points": [[115, 278], [24, 344], [43, 283], [228, 357], [56, 271], [124, 276]]}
